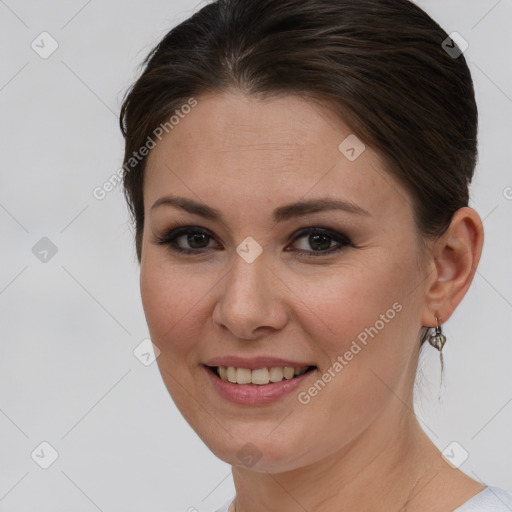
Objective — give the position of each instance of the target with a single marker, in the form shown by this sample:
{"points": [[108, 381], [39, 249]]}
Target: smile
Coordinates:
{"points": [[258, 386], [259, 376]]}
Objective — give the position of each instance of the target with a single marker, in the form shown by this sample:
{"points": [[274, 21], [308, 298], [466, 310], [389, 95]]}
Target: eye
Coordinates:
{"points": [[196, 240], [186, 239], [320, 241]]}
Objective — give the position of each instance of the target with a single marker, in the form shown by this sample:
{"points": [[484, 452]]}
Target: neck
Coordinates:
{"points": [[379, 470]]}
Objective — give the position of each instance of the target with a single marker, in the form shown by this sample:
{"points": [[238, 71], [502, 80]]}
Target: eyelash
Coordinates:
{"points": [[169, 239]]}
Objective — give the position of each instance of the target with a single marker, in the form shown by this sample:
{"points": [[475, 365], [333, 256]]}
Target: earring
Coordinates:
{"points": [[437, 340]]}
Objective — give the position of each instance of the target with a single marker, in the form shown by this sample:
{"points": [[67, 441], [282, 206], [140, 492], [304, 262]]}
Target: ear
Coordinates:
{"points": [[455, 258]]}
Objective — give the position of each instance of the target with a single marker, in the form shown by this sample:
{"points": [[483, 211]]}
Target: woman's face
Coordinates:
{"points": [[268, 285]]}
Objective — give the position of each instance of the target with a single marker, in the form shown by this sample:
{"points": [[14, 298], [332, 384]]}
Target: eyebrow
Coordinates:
{"points": [[280, 214]]}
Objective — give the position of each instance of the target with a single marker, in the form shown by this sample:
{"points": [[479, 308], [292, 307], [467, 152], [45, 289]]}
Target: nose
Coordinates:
{"points": [[251, 303]]}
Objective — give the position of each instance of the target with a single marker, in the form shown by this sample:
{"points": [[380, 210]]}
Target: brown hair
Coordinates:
{"points": [[381, 63]]}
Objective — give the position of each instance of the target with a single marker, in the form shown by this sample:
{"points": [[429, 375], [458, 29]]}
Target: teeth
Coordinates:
{"points": [[243, 376], [276, 374], [223, 372], [231, 374], [288, 372], [261, 376]]}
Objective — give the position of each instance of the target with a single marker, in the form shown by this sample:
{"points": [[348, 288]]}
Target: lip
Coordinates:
{"points": [[254, 394], [255, 362]]}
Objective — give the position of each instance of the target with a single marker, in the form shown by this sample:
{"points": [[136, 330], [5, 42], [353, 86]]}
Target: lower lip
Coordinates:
{"points": [[254, 394]]}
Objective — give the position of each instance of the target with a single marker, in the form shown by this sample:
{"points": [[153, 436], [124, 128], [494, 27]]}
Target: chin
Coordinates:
{"points": [[258, 452]]}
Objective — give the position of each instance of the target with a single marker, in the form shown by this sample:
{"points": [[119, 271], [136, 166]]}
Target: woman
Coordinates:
{"points": [[298, 175]]}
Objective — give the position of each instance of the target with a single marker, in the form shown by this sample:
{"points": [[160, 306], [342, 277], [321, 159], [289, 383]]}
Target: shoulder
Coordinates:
{"points": [[491, 499]]}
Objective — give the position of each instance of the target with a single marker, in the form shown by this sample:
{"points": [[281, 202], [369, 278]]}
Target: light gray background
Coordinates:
{"points": [[68, 375]]}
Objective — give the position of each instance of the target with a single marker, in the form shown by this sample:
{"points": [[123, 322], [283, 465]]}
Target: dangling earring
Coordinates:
{"points": [[437, 340]]}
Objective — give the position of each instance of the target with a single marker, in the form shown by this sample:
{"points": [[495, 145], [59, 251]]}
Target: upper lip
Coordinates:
{"points": [[255, 362]]}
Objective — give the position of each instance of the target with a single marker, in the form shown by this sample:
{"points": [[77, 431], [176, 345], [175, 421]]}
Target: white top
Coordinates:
{"points": [[491, 499]]}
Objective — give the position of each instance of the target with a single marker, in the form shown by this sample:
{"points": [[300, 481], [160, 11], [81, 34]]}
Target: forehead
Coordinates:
{"points": [[266, 151], [232, 126]]}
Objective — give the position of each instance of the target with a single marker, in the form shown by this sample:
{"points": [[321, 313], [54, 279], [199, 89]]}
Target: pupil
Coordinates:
{"points": [[313, 239], [196, 237]]}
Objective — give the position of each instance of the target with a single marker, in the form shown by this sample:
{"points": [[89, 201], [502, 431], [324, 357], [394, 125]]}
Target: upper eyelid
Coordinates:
{"points": [[299, 233]]}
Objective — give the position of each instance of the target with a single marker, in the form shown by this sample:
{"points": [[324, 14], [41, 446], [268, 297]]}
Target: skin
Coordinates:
{"points": [[244, 157]]}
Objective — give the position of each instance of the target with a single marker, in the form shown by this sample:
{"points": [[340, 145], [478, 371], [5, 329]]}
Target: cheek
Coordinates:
{"points": [[171, 297], [343, 302], [171, 301], [362, 320]]}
